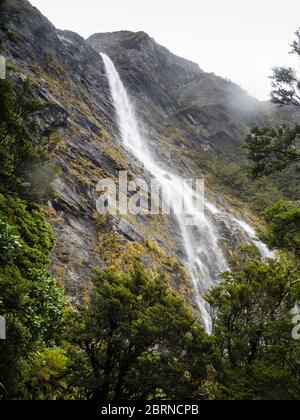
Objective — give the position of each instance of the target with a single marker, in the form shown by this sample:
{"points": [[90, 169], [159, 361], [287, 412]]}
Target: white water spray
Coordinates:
{"points": [[204, 256]]}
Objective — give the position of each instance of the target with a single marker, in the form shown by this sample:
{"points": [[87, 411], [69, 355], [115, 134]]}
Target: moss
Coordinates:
{"points": [[53, 144], [113, 150], [164, 259], [51, 214], [121, 255], [86, 171], [101, 220], [110, 247], [58, 271]]}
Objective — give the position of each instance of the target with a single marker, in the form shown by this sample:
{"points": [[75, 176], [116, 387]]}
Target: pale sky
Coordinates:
{"points": [[238, 39]]}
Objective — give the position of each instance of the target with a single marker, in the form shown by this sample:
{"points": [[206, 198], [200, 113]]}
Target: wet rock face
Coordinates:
{"points": [[177, 93], [67, 75], [53, 117], [183, 109], [150, 71]]}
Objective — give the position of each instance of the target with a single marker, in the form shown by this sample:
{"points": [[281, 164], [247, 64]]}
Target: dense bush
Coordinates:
{"points": [[10, 241], [141, 341], [30, 299], [283, 227], [259, 358]]}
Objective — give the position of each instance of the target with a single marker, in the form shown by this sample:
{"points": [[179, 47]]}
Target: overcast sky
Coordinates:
{"points": [[238, 39]]}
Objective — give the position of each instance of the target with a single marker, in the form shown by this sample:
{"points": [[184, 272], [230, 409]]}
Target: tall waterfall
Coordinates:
{"points": [[205, 259]]}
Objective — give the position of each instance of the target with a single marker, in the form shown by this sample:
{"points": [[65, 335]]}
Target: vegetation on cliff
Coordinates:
{"points": [[30, 299], [132, 336]]}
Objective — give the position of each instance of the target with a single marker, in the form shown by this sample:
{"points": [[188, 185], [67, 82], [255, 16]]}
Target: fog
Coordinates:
{"points": [[240, 40]]}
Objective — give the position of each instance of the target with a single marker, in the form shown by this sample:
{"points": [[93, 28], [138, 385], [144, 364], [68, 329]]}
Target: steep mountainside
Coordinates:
{"points": [[68, 75], [181, 103], [183, 110]]}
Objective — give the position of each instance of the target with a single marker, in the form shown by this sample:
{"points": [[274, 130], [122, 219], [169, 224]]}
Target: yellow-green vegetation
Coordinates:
{"points": [[131, 336], [117, 253], [121, 255], [113, 150], [101, 220], [53, 144], [162, 257], [86, 171], [51, 214], [46, 372], [55, 79]]}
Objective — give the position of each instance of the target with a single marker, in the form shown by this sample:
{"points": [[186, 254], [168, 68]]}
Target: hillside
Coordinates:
{"points": [[146, 303], [184, 110]]}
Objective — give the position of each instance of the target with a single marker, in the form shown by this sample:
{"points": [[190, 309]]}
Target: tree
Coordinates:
{"points": [[285, 83], [252, 324], [141, 341], [272, 149], [283, 227]]}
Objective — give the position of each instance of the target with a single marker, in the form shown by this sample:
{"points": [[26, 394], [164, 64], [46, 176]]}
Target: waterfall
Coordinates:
{"points": [[205, 259]]}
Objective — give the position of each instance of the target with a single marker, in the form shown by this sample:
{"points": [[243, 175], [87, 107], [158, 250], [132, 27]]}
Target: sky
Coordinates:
{"points": [[238, 39]]}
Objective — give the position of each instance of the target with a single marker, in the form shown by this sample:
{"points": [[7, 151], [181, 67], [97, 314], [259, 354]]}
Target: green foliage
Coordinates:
{"points": [[272, 149], [285, 83], [45, 377], [258, 358], [46, 317], [233, 179], [136, 339], [257, 355], [141, 341], [285, 86], [283, 227], [34, 315], [9, 241], [257, 194], [36, 235], [30, 299]]}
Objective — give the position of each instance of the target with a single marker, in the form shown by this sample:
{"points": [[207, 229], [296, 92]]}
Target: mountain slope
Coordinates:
{"points": [[68, 75], [209, 112], [183, 109]]}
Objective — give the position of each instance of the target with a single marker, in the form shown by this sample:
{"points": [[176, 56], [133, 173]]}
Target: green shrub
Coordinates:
{"points": [[10, 241]]}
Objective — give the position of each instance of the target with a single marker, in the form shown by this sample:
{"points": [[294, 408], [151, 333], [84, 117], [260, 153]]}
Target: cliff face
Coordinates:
{"points": [[180, 102], [69, 77], [183, 109]]}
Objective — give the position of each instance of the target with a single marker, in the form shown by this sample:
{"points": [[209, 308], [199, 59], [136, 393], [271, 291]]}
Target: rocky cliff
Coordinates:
{"points": [[183, 110], [181, 103]]}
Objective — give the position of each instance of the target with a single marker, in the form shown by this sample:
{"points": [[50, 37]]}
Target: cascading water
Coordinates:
{"points": [[204, 256]]}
